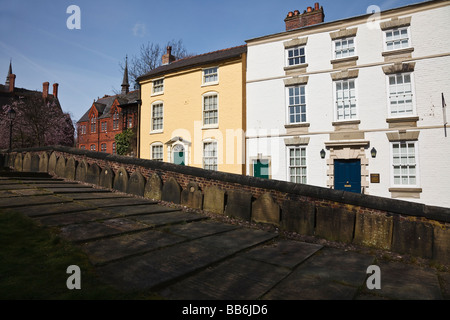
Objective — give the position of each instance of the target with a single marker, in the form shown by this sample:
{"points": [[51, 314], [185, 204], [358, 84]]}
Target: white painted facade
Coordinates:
{"points": [[424, 177]]}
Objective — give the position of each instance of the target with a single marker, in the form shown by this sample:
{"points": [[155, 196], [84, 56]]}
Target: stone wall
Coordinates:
{"points": [[381, 223]]}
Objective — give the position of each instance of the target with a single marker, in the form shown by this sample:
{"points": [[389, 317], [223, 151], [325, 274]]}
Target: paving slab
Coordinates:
{"points": [[284, 253], [74, 217], [112, 249], [23, 192], [235, 279], [64, 190], [102, 203], [30, 192], [340, 272], [52, 185], [399, 281], [248, 276], [13, 186], [199, 229], [31, 200], [156, 268], [100, 229], [162, 219], [95, 194], [51, 209], [147, 208]]}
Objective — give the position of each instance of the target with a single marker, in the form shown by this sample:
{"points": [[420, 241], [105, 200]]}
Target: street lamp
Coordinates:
{"points": [[11, 116]]}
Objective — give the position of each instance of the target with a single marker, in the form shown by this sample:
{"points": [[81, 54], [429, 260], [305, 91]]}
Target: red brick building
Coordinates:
{"points": [[107, 117]]}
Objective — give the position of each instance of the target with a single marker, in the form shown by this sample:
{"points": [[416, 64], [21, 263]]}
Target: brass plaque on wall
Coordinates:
{"points": [[375, 178]]}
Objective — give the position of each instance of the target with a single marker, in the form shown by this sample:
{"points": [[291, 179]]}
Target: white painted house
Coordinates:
{"points": [[354, 104]]}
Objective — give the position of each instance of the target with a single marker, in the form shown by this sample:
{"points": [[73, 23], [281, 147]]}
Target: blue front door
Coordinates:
{"points": [[347, 175]]}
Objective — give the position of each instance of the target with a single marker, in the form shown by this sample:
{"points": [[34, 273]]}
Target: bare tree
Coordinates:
{"points": [[149, 58]]}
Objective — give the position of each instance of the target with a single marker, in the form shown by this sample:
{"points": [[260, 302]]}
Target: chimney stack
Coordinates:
{"points": [[45, 90], [12, 82], [168, 57], [55, 90], [309, 17]]}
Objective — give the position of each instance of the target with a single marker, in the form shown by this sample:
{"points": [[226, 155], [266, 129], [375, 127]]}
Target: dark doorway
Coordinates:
{"points": [[347, 175]]}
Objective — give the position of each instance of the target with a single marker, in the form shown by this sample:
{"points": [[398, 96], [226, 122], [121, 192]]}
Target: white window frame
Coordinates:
{"points": [[413, 103], [159, 130], [300, 166], [209, 83], [103, 147], [417, 166], [385, 40], [288, 118], [152, 154], [335, 100], [210, 125], [156, 85], [104, 126], [204, 157], [341, 40], [92, 147], [287, 50]]}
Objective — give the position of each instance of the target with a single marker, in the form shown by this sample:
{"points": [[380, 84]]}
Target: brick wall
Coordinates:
{"points": [[382, 223]]}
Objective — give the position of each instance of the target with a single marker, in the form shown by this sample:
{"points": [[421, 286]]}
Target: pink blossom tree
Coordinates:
{"points": [[38, 122]]}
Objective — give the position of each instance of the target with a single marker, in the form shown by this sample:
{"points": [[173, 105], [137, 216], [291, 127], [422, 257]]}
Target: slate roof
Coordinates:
{"points": [[103, 105], [7, 97], [197, 60]]}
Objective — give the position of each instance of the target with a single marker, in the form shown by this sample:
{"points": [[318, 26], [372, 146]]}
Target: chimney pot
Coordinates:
{"points": [[310, 16], [290, 14], [45, 90], [12, 82], [55, 90], [168, 57]]}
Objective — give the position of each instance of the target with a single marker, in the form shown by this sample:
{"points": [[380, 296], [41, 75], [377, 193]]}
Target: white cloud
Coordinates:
{"points": [[139, 29]]}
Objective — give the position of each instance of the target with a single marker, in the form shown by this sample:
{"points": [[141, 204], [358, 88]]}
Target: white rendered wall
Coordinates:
{"points": [[267, 106]]}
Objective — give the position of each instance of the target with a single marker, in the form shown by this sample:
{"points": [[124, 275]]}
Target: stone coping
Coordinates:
{"points": [[402, 207]]}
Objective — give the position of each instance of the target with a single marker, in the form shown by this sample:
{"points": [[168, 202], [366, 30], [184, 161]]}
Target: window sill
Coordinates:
{"points": [[297, 125], [401, 122], [209, 84], [156, 131], [157, 94], [210, 127], [345, 122], [393, 55], [344, 62], [405, 192], [297, 68]]}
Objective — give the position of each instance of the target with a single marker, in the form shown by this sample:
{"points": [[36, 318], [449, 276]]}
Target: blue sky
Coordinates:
{"points": [[85, 62]]}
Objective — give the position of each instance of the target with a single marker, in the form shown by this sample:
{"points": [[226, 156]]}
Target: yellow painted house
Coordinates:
{"points": [[193, 111]]}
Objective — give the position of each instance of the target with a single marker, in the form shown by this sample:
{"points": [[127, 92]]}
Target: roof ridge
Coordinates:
{"points": [[211, 52]]}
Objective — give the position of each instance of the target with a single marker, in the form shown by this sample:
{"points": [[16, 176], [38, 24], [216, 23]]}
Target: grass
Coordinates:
{"points": [[34, 261]]}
